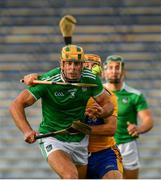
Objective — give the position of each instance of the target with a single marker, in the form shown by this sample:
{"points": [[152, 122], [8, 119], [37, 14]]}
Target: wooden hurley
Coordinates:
{"points": [[61, 83]]}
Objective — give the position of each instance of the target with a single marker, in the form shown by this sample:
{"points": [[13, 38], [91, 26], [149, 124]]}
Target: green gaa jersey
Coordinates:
{"points": [[63, 104], [130, 101]]}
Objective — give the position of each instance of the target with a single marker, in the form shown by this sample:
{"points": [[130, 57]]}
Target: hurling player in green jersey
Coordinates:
{"points": [[61, 105], [131, 105]]}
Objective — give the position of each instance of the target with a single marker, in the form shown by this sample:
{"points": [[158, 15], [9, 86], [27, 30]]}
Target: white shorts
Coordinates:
{"points": [[130, 155], [78, 151]]}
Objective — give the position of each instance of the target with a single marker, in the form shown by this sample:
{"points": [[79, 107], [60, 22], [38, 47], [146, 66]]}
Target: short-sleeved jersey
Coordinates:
{"points": [[96, 142], [63, 104], [130, 102]]}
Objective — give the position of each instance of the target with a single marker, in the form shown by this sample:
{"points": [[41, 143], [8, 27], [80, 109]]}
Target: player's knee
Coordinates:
{"points": [[114, 174]]}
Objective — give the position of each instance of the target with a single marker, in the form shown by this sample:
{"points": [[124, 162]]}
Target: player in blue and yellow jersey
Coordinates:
{"points": [[61, 105], [104, 159], [131, 103]]}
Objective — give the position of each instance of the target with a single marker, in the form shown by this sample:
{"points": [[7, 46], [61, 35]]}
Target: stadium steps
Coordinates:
{"points": [[85, 38], [30, 41]]}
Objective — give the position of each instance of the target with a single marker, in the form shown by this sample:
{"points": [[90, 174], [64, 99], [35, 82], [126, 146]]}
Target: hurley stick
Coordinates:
{"points": [[76, 128], [62, 83]]}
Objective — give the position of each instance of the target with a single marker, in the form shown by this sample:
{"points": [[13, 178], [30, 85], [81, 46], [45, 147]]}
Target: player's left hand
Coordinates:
{"points": [[132, 129], [29, 136]]}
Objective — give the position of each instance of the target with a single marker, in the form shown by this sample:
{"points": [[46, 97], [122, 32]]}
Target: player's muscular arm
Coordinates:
{"points": [[23, 100], [107, 106], [146, 123], [107, 129]]}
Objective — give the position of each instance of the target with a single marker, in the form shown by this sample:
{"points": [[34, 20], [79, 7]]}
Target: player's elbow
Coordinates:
{"points": [[151, 124], [111, 123], [12, 106], [148, 123], [113, 130]]}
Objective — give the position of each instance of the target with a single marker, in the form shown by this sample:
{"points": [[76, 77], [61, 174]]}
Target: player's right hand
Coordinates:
{"points": [[29, 136], [132, 129], [28, 79], [94, 111]]}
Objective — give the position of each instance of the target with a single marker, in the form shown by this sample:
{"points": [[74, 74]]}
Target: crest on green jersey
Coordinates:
{"points": [[125, 100]]}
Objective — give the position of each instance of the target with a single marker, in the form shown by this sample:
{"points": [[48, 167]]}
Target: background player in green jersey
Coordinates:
{"points": [[61, 105], [131, 104]]}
